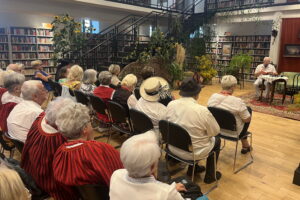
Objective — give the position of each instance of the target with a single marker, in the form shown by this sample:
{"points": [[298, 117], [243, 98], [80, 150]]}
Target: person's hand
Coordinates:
{"points": [[180, 187], [263, 72]]}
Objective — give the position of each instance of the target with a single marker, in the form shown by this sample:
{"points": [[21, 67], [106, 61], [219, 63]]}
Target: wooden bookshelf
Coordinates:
{"points": [[25, 44], [222, 48]]}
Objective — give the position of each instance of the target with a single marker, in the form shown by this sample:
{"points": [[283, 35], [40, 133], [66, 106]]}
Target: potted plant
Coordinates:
{"points": [[240, 63], [205, 68]]}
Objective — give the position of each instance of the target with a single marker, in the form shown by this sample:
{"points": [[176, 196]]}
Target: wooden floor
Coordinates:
{"points": [[276, 143]]}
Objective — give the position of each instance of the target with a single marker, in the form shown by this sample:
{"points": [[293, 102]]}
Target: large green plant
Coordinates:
{"points": [[205, 68], [67, 35], [239, 63]]}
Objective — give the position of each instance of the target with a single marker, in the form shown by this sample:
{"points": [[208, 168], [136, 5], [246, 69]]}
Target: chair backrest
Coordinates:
{"points": [[225, 119], [93, 192], [4, 143], [117, 112], [175, 135], [140, 121], [81, 97], [98, 104], [19, 145], [71, 92], [56, 87], [137, 93]]}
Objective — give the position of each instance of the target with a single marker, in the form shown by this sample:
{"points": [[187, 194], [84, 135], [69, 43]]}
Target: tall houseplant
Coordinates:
{"points": [[205, 68], [240, 63]]}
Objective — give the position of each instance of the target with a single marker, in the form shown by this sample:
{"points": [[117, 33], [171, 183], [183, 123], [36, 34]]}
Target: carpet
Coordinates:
{"points": [[276, 108]]}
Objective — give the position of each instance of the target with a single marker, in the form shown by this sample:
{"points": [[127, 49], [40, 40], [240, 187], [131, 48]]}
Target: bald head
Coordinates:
{"points": [[15, 67], [267, 60]]}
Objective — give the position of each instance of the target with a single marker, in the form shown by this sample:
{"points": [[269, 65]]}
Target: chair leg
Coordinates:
{"points": [[248, 163], [236, 148], [223, 145], [12, 152], [110, 133], [215, 170], [193, 174]]}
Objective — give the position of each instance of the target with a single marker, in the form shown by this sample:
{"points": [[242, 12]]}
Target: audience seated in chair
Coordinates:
{"points": [[41, 144], [23, 115], [199, 123], [62, 70], [123, 95], [104, 92], [80, 160], [263, 69], [115, 71], [236, 106], [150, 91], [11, 185], [140, 155], [88, 81], [74, 78]]}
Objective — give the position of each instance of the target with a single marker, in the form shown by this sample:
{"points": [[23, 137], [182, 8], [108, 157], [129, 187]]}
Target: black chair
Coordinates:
{"points": [[18, 144], [6, 147], [82, 97], [93, 192], [141, 123], [226, 120], [99, 106], [137, 93], [175, 135], [120, 118], [57, 88], [71, 92]]}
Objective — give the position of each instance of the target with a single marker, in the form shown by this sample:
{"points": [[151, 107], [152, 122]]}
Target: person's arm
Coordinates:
{"points": [[174, 191], [244, 113], [41, 76]]}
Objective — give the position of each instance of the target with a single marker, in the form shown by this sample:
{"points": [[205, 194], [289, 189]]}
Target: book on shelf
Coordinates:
{"points": [[44, 32], [45, 48], [3, 38], [3, 47], [23, 47], [3, 64], [3, 56], [23, 31], [45, 55], [23, 39], [19, 56], [45, 41], [2, 31]]}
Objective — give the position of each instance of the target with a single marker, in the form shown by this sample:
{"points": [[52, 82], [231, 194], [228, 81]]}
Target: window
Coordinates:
{"points": [[90, 26]]}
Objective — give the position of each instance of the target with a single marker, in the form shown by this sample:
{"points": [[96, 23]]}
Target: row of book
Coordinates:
{"points": [[23, 39], [16, 56], [43, 32], [45, 55], [23, 31], [45, 40], [256, 45], [45, 48], [3, 56], [3, 64], [23, 47], [2, 31], [3, 47], [3, 38]]}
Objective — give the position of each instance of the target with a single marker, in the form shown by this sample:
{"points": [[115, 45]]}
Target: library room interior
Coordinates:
{"points": [[150, 99]]}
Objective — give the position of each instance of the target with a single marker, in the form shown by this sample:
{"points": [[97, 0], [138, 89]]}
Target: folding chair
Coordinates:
{"points": [[5, 146], [93, 192], [57, 88], [226, 120], [141, 123], [81, 97], [100, 107], [175, 135], [120, 118], [18, 144]]}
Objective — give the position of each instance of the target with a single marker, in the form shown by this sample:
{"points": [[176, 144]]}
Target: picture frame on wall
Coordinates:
{"points": [[226, 49], [292, 50]]}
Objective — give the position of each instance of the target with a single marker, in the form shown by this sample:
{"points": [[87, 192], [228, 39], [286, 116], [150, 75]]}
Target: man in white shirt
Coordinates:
{"points": [[13, 83], [199, 123], [264, 69], [148, 103], [23, 115]]}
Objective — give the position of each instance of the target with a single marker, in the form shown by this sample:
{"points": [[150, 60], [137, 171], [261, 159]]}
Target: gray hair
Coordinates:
{"points": [[89, 76], [17, 67], [54, 106], [29, 88], [12, 80], [139, 153], [114, 69], [105, 77], [72, 119], [228, 82], [267, 58], [129, 80]]}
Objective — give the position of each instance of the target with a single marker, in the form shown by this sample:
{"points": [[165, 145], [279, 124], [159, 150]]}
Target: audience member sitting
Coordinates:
{"points": [[123, 95], [115, 71], [16, 67], [60, 74], [41, 75], [42, 142], [13, 83], [74, 78], [11, 185], [199, 123], [236, 106], [81, 161], [88, 81], [140, 155], [150, 91], [22, 116], [63, 74], [104, 92]]}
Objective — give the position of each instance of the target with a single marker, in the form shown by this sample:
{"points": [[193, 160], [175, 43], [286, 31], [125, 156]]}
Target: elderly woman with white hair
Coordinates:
{"points": [[24, 113], [115, 71], [140, 155], [16, 67], [74, 77], [104, 92], [123, 95], [13, 83], [236, 106], [41, 144], [88, 81], [80, 161]]}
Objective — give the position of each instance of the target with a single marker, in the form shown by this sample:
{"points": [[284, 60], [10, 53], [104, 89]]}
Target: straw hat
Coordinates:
{"points": [[151, 88], [36, 62]]}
